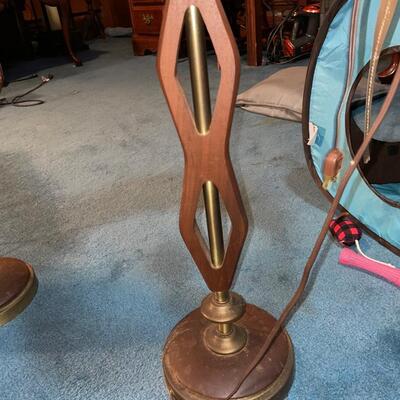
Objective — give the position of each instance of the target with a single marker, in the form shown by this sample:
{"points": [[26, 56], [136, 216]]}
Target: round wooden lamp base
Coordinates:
{"points": [[18, 285], [193, 372]]}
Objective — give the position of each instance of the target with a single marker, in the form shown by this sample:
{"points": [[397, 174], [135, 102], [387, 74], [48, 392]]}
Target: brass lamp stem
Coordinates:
{"points": [[196, 45], [221, 297], [202, 114]]}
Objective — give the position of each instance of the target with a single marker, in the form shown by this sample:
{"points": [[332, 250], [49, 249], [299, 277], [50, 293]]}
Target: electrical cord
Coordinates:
{"points": [[321, 237], [275, 40], [19, 101], [288, 60], [267, 5], [24, 78]]}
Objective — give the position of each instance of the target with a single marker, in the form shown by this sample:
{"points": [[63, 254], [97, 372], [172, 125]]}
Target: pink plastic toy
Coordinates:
{"points": [[387, 271]]}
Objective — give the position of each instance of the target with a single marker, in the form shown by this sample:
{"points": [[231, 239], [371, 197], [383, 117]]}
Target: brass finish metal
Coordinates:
{"points": [[223, 343], [223, 328], [147, 18], [196, 44], [18, 305], [221, 297], [214, 224], [202, 114], [225, 337], [270, 381], [229, 311]]}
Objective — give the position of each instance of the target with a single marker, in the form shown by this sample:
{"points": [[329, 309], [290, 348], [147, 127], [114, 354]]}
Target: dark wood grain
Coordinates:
{"points": [[146, 16], [254, 37], [63, 7], [206, 157]]}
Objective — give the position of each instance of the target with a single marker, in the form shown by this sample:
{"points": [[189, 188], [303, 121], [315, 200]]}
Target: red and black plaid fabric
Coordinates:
{"points": [[344, 230]]}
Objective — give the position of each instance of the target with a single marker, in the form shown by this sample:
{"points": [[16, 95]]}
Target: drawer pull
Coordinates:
{"points": [[147, 18]]}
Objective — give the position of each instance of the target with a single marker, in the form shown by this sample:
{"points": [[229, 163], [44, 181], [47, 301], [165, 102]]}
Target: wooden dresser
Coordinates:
{"points": [[146, 18]]}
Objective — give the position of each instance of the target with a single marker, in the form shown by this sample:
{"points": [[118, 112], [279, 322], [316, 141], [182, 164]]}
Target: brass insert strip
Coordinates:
{"points": [[214, 224], [196, 45]]}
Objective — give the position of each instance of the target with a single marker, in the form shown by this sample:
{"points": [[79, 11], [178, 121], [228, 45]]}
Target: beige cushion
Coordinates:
{"points": [[281, 94]]}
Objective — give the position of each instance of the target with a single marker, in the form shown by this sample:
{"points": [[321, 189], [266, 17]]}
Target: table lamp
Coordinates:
{"points": [[207, 353]]}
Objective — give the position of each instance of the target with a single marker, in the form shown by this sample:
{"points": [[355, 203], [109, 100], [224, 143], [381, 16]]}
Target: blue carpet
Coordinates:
{"points": [[91, 185]]}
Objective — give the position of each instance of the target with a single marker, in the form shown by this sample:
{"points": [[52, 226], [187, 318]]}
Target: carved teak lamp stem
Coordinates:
{"points": [[207, 353]]}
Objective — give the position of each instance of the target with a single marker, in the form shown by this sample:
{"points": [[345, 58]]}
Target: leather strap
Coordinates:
{"points": [[386, 12], [350, 66]]}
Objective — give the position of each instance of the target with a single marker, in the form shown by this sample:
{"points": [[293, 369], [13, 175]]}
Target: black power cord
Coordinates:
{"points": [[19, 101]]}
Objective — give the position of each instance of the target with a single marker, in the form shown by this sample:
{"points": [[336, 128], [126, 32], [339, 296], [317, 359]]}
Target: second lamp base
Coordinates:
{"points": [[193, 372]]}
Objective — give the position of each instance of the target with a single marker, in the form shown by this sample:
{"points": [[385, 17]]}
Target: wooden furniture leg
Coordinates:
{"points": [[2, 7], [64, 11], [94, 19], [2, 78], [254, 20]]}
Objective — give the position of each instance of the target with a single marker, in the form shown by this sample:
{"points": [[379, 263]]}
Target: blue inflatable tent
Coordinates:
{"points": [[373, 193]]}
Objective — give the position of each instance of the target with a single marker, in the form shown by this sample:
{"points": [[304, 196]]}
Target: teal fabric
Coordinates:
{"points": [[328, 88], [389, 190]]}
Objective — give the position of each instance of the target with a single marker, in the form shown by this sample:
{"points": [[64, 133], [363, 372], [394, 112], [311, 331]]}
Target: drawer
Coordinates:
{"points": [[147, 20]]}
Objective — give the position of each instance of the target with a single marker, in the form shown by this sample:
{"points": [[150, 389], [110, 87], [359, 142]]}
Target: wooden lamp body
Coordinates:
{"points": [[207, 353]]}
